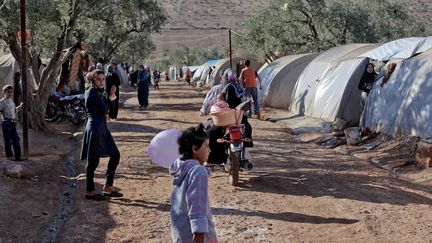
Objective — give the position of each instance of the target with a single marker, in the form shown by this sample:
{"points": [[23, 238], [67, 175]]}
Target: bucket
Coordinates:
{"points": [[352, 135], [227, 117]]}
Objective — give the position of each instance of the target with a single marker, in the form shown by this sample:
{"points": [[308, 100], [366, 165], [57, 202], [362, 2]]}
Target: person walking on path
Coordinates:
{"points": [[191, 219], [188, 75], [156, 78], [248, 76], [112, 79], [10, 134], [143, 87], [97, 140], [133, 76], [149, 76]]}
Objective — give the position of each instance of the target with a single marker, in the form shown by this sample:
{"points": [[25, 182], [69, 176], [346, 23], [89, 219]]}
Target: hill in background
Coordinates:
{"points": [[204, 23]]}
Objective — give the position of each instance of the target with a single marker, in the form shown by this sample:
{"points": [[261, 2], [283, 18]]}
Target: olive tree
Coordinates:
{"points": [[298, 26], [105, 25], [51, 24]]}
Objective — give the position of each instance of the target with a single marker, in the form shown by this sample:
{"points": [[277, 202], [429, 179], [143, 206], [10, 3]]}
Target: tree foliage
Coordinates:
{"points": [[193, 56], [44, 19], [298, 26], [120, 27], [135, 49], [109, 27]]}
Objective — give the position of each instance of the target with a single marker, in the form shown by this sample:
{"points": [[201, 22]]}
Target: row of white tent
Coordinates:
{"points": [[218, 67], [325, 86], [8, 67]]}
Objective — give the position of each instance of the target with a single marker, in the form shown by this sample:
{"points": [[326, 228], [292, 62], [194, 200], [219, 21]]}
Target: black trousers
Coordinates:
{"points": [[92, 164], [11, 139]]}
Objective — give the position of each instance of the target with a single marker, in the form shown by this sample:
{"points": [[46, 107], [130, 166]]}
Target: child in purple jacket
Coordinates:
{"points": [[191, 219]]}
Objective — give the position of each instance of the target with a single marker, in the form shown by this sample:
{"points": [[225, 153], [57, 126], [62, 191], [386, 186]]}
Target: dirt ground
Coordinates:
{"points": [[298, 191]]}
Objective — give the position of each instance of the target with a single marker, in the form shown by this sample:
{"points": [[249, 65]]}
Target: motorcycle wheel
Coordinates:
{"points": [[235, 168], [74, 118], [51, 113]]}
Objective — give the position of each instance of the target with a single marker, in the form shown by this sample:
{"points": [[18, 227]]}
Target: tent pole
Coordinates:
{"points": [[24, 76], [230, 48]]}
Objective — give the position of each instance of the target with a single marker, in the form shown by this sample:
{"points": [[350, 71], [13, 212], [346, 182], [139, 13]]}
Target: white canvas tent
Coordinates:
{"points": [[279, 78], [191, 68], [202, 71], [8, 67], [328, 87], [224, 64], [173, 72], [403, 106], [197, 75], [400, 49]]}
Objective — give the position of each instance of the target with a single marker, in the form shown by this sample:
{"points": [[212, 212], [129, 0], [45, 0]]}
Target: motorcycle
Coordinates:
{"points": [[237, 155], [61, 107], [235, 139]]}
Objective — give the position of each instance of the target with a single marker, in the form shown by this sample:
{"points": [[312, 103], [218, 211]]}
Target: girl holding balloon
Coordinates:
{"points": [[191, 219]]}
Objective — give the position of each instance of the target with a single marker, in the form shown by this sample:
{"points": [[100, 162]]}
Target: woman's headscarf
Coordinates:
{"points": [[228, 76], [99, 66], [91, 68], [229, 79], [110, 69], [93, 75], [368, 77]]}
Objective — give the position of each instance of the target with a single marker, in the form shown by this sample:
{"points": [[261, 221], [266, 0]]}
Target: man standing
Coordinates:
{"points": [[248, 76]]}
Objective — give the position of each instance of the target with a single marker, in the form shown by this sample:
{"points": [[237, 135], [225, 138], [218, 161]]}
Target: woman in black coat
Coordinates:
{"points": [[366, 83], [112, 79], [98, 142], [233, 96]]}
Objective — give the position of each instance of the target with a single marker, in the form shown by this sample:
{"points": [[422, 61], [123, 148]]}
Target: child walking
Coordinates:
{"points": [[156, 78], [191, 219], [10, 134]]}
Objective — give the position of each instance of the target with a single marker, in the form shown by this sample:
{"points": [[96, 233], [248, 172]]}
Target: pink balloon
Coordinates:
{"points": [[163, 148]]}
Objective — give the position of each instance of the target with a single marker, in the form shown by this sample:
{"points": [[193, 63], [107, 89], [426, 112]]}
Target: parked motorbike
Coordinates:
{"points": [[61, 107]]}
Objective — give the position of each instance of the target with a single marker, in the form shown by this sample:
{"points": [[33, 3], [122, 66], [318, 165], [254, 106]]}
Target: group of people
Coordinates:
{"points": [[246, 88], [191, 218], [369, 77], [112, 80]]}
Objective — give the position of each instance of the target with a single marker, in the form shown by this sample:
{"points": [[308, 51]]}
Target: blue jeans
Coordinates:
{"points": [[254, 93], [11, 138]]}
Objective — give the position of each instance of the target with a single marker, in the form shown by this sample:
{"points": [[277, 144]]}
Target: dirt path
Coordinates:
{"points": [[297, 193]]}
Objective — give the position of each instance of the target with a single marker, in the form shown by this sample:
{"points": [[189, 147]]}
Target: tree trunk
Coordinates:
{"points": [[40, 86]]}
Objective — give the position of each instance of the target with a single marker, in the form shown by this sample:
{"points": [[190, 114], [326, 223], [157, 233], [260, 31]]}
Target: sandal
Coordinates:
{"points": [[113, 194], [95, 197]]}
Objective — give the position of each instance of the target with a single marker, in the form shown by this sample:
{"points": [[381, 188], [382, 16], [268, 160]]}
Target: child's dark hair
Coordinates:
{"points": [[194, 136], [7, 87]]}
